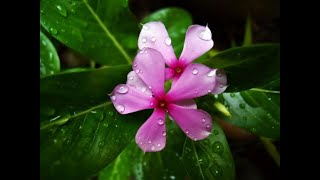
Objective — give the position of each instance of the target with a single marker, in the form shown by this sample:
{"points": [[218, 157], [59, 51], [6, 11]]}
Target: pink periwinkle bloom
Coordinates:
{"points": [[145, 89], [197, 42]]}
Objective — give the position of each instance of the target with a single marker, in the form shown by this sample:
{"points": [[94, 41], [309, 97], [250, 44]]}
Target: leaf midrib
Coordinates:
{"points": [[107, 32], [59, 121]]}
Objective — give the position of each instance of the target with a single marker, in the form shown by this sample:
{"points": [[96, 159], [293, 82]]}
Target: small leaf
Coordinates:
{"points": [[256, 110], [248, 67], [80, 130], [104, 31], [210, 158], [176, 21], [248, 33], [49, 59]]}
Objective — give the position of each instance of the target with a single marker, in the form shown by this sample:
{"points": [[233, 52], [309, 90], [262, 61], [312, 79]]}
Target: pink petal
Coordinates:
{"points": [[196, 80], [197, 42], [169, 74], [195, 123], [151, 136], [154, 35], [135, 81], [150, 67], [126, 99], [221, 82], [187, 103]]}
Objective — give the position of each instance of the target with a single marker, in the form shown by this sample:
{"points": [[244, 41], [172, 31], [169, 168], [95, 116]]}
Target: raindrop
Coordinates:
{"points": [[144, 40], [149, 141], [143, 89], [135, 64], [137, 70], [151, 104], [101, 144], [232, 95], [44, 42], [53, 31], [110, 113], [209, 91], [211, 73], [120, 108], [160, 121], [55, 141], [215, 132], [153, 39], [145, 27], [62, 10], [187, 132], [217, 147], [131, 77], [113, 98], [168, 41], [123, 89], [254, 130], [195, 71], [195, 139], [208, 126], [159, 145], [150, 87], [206, 34], [242, 106], [164, 133], [269, 99], [203, 120], [106, 125], [153, 148]]}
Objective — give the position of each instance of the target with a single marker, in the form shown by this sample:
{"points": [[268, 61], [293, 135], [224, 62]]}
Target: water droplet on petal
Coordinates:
{"points": [[164, 133], [208, 127], [159, 145], [153, 148], [131, 77], [195, 71], [206, 34], [141, 143], [187, 132], [195, 139], [151, 104], [168, 41], [160, 121], [203, 120], [145, 27], [123, 89], [137, 70], [149, 141], [150, 87], [143, 89], [120, 108], [62, 10], [113, 98], [211, 73], [135, 64], [153, 39], [144, 40], [141, 52], [209, 91]]}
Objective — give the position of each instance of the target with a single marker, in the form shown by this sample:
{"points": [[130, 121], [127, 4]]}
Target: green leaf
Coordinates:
{"points": [[210, 158], [104, 31], [248, 33], [166, 164], [49, 59], [176, 21], [256, 110], [248, 67], [80, 130]]}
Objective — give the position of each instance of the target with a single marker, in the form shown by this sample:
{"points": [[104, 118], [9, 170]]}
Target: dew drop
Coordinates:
{"points": [[164, 133], [160, 121], [145, 27], [159, 145], [242, 106], [232, 95], [131, 77], [195, 139], [143, 89], [217, 147], [101, 144], [208, 126], [44, 42], [123, 89], [62, 10], [149, 141], [215, 132], [203, 120], [211, 73], [113, 98], [153, 39], [120, 108], [135, 64], [206, 34], [187, 132], [195, 71], [153, 148], [55, 141], [209, 91], [53, 31], [168, 41], [269, 99], [137, 70], [144, 40]]}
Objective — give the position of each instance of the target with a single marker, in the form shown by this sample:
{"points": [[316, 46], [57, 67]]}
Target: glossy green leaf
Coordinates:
{"points": [[248, 67], [176, 21], [80, 130], [104, 31], [133, 163], [49, 59], [256, 110], [210, 158]]}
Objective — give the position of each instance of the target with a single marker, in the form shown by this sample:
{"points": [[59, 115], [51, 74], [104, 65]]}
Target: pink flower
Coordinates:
{"points": [[145, 90], [197, 42]]}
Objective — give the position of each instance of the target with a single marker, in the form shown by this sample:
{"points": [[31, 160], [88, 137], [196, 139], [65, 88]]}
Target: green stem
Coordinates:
{"points": [[271, 149], [265, 90]]}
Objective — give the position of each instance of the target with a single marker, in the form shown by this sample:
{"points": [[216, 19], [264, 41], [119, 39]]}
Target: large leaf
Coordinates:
{"points": [[103, 30], [248, 67], [49, 59], [176, 21], [80, 130], [256, 110], [210, 158], [132, 163]]}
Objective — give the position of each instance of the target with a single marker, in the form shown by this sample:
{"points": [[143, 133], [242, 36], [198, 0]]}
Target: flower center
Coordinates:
{"points": [[178, 70], [162, 104]]}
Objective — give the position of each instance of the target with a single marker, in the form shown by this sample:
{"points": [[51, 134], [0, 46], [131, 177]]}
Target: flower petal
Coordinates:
{"points": [[187, 103], [135, 81], [126, 99], [154, 35], [150, 67], [195, 123], [151, 136], [196, 80], [221, 82], [197, 42], [169, 74]]}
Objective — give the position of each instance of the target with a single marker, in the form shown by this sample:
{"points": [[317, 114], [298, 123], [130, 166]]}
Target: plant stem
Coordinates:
{"points": [[271, 149]]}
